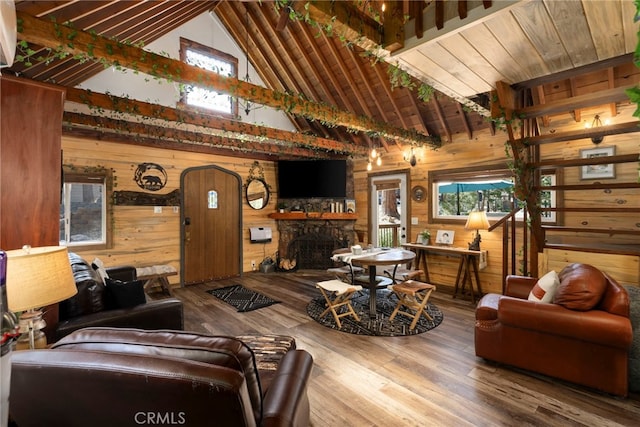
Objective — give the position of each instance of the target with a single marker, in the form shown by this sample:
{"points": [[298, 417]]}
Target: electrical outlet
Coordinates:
{"points": [[157, 209], [253, 265], [414, 220]]}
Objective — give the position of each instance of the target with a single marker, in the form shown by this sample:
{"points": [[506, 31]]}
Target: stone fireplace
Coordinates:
{"points": [[311, 241]]}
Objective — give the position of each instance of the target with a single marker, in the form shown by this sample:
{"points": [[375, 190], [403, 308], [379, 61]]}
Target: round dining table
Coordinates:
{"points": [[382, 257]]}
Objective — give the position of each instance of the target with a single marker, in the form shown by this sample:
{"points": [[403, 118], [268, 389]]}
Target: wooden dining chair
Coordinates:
{"points": [[346, 272], [400, 273]]}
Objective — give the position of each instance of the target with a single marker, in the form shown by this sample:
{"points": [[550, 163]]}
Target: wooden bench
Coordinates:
{"points": [[156, 276]]}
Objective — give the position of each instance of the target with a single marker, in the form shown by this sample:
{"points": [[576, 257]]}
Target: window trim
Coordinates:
{"points": [[478, 173], [186, 44], [71, 175]]}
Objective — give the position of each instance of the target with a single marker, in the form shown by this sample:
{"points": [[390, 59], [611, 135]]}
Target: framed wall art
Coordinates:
{"points": [[601, 170], [445, 237]]}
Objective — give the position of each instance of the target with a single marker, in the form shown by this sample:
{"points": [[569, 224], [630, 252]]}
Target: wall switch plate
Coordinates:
{"points": [[414, 220], [176, 209], [157, 209]]}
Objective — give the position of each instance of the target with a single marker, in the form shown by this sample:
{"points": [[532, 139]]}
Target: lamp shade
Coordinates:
{"points": [[37, 277], [477, 220]]}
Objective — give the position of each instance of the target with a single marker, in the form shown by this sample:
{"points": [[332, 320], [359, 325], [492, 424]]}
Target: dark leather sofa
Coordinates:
{"points": [[127, 377], [91, 307], [584, 336]]}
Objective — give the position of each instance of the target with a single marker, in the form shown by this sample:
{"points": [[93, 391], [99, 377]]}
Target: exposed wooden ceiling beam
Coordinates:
{"points": [[158, 112], [283, 20], [616, 129], [77, 42], [612, 83], [61, 72], [321, 76], [105, 125], [282, 60], [624, 158], [263, 64], [441, 118], [539, 98], [465, 122], [603, 97], [462, 9], [585, 69], [362, 104], [418, 114], [573, 91], [343, 17]]}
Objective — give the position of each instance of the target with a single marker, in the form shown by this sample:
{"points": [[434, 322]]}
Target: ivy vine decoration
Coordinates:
{"points": [[398, 77], [161, 70]]}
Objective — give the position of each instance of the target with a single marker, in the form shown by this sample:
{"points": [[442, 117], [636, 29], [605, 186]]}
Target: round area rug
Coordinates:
{"points": [[380, 325]]}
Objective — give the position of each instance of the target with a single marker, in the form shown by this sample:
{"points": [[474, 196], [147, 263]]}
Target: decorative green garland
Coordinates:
{"points": [[397, 76]]}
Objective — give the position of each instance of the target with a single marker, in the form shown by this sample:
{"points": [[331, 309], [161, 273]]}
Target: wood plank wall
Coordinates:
{"points": [[143, 238], [487, 149]]}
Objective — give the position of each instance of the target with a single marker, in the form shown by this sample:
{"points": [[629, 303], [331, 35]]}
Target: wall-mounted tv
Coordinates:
{"points": [[302, 179]]}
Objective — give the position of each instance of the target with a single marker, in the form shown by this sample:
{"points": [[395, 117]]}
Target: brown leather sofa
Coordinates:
{"points": [[128, 377], [91, 306], [583, 336]]}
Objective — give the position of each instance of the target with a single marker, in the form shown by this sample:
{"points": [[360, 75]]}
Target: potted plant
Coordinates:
{"points": [[424, 237], [282, 206]]}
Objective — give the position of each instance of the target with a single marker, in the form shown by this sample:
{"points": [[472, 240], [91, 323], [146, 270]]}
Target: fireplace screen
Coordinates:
{"points": [[313, 250]]}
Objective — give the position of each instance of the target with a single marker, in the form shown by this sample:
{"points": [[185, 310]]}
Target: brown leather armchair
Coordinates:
{"points": [[129, 377], [581, 344]]}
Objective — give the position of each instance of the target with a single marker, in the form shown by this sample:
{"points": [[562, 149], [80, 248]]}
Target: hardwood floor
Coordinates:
{"points": [[431, 379]]}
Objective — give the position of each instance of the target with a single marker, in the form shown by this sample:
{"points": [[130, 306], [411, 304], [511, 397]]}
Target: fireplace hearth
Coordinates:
{"points": [[311, 241]]}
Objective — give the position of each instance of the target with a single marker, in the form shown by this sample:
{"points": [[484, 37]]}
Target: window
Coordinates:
{"points": [[83, 211], [456, 192], [202, 56]]}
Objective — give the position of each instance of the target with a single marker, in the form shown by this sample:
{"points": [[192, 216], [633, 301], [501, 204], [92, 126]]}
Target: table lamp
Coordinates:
{"points": [[36, 278], [477, 220]]}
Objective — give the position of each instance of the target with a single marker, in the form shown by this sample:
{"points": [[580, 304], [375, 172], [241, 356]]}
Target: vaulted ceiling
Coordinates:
{"points": [[553, 50]]}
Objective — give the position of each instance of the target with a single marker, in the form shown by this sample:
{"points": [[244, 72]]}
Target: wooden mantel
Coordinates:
{"points": [[302, 216]]}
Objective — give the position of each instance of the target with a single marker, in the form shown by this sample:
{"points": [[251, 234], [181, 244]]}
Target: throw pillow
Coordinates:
{"points": [[98, 266], [545, 288], [124, 294], [581, 287]]}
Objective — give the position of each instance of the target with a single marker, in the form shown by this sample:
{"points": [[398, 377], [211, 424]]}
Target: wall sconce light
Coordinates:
{"points": [[411, 157], [596, 123]]}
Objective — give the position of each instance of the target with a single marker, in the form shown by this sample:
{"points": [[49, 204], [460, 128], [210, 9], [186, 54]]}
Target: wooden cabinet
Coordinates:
{"points": [[30, 163]]}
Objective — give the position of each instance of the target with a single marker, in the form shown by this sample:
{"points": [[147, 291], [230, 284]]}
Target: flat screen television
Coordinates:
{"points": [[302, 179]]}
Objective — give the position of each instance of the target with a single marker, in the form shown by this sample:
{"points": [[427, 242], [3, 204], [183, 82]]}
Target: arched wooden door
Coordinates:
{"points": [[211, 229]]}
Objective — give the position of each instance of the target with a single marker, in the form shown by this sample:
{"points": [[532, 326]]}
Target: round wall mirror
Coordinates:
{"points": [[257, 193]]}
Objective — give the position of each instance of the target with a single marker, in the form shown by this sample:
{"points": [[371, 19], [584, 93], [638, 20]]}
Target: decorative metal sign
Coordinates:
{"points": [[150, 176]]}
